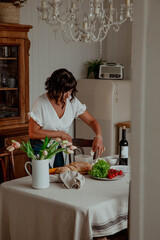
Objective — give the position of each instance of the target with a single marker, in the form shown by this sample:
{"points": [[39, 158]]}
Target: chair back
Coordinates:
{"points": [[5, 174], [81, 144], [2, 171]]}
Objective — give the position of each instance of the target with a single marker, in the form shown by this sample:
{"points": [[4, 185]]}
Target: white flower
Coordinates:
{"points": [[15, 144], [45, 153], [57, 139], [73, 147], [64, 146], [69, 143], [11, 148]]}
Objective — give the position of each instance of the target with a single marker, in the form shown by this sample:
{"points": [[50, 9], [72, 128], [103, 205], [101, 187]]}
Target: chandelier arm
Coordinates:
{"points": [[123, 21], [95, 27], [119, 22], [99, 38], [72, 36], [63, 21], [116, 26]]}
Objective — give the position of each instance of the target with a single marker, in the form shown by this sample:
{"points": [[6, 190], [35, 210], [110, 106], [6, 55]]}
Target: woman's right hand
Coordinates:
{"points": [[65, 136]]}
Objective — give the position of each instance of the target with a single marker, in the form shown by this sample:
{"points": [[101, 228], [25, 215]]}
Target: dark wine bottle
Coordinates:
{"points": [[123, 148]]}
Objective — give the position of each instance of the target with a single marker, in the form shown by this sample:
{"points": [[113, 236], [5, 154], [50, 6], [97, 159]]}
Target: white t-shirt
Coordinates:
{"points": [[44, 115]]}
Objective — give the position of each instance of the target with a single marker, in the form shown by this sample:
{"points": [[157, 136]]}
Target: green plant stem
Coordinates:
{"points": [[29, 152], [57, 151]]}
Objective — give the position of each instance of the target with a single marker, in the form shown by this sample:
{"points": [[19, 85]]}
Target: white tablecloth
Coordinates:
{"points": [[99, 208]]}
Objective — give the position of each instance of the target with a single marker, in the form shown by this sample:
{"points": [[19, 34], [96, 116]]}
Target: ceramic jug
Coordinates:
{"points": [[40, 173]]}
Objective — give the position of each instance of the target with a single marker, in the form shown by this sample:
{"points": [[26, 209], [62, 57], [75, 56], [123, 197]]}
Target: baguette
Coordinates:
{"points": [[73, 168], [62, 169], [80, 167], [83, 166]]}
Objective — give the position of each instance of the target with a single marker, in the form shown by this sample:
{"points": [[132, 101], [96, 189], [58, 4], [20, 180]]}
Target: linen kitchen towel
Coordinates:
{"points": [[70, 179]]}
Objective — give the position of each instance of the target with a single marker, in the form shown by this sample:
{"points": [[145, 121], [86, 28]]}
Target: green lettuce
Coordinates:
{"points": [[100, 169]]}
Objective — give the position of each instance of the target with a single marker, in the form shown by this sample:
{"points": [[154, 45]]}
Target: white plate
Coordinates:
{"points": [[108, 179], [124, 168]]}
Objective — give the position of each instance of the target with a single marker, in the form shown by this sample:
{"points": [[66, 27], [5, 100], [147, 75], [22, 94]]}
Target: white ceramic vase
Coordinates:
{"points": [[40, 173]]}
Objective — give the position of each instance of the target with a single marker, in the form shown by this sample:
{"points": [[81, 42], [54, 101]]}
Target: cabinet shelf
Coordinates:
{"points": [[7, 89], [8, 58]]}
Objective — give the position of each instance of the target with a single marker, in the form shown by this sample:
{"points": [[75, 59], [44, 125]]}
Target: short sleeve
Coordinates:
{"points": [[36, 113], [79, 107]]}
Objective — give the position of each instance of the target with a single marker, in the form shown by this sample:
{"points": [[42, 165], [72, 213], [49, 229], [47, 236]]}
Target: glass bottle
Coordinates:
{"points": [[123, 148]]}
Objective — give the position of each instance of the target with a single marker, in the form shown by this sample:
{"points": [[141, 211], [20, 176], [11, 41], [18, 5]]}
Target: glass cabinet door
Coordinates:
{"points": [[9, 81]]}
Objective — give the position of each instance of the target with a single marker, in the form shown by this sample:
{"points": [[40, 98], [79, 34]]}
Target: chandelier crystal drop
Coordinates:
{"points": [[89, 25]]}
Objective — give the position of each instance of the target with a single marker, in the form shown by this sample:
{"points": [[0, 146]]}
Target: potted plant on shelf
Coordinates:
{"points": [[93, 67]]}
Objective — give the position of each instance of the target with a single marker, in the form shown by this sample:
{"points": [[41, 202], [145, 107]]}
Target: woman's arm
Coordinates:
{"points": [[36, 132], [98, 140]]}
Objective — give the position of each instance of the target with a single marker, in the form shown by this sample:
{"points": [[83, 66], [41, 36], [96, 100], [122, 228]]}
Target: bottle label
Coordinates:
{"points": [[124, 152]]}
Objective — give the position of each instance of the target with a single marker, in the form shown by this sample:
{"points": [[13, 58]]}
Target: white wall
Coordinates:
{"points": [[145, 190], [49, 53], [119, 44]]}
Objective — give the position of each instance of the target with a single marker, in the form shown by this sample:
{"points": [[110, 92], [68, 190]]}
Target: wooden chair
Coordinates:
{"points": [[12, 173], [81, 144], [2, 171]]}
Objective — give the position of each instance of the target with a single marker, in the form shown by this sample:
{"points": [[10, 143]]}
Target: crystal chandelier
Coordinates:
{"points": [[89, 25]]}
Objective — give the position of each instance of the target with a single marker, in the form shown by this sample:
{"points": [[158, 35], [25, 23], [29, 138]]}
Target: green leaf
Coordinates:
{"points": [[28, 149], [55, 152], [30, 146], [23, 149], [93, 66], [44, 145], [53, 148]]}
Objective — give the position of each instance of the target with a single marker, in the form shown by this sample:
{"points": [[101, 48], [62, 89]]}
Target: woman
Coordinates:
{"points": [[54, 112]]}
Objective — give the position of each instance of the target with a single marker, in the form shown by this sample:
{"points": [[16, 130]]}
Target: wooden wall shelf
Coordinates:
{"points": [[7, 89], [7, 58]]}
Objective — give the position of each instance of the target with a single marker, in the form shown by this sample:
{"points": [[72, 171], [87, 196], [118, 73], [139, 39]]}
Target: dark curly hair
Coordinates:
{"points": [[60, 82]]}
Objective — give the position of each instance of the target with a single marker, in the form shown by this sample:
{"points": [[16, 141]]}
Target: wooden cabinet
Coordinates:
{"points": [[14, 89]]}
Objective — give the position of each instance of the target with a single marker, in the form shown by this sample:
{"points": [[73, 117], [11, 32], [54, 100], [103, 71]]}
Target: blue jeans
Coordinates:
{"points": [[37, 144]]}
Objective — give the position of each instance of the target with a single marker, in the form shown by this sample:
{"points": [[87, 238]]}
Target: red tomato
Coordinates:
{"points": [[120, 172], [109, 176]]}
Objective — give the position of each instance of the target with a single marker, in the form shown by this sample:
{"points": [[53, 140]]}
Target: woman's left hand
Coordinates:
{"points": [[98, 145]]}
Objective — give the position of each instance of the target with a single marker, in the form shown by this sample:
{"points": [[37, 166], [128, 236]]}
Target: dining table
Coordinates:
{"points": [[98, 208]]}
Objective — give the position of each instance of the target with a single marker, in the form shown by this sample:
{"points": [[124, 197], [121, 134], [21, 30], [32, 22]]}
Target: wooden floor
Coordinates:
{"points": [[119, 236]]}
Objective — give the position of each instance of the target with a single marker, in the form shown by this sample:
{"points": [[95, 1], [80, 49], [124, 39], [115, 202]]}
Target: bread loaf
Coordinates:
{"points": [[81, 167], [62, 169]]}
